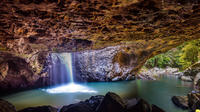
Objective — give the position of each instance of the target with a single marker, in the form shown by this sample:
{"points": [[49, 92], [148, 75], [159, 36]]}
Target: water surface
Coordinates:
{"points": [[157, 92]]}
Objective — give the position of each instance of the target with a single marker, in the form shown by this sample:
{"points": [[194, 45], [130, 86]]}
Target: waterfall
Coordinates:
{"points": [[67, 60], [61, 70]]}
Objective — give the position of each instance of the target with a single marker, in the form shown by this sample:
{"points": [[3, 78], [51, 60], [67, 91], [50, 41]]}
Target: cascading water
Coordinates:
{"points": [[67, 61], [61, 72]]}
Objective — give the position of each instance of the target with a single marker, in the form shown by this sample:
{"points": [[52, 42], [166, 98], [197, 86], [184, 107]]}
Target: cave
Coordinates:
{"points": [[100, 56]]}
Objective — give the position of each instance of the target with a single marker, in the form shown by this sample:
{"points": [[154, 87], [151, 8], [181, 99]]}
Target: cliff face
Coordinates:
{"points": [[99, 65], [30, 29]]}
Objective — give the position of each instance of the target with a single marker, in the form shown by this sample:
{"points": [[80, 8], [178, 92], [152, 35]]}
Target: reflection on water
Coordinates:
{"points": [[156, 92]]}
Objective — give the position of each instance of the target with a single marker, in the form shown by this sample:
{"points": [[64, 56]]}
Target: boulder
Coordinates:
{"points": [[78, 107], [180, 101], [141, 106], [6, 106], [40, 109], [156, 109], [111, 103], [94, 101]]}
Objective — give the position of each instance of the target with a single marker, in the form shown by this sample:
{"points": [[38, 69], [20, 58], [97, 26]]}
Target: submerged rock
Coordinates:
{"points": [[5, 106], [111, 103], [39, 109], [180, 101]]}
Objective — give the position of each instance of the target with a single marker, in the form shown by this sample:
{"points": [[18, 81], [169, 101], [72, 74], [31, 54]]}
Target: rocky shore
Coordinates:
{"points": [[111, 102], [154, 73], [189, 75]]}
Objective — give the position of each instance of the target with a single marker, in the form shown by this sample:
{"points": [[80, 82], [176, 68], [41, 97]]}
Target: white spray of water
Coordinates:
{"points": [[71, 87]]}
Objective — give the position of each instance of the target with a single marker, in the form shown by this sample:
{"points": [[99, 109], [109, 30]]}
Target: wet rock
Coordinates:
{"points": [[111, 103], [180, 101], [94, 101], [141, 106], [78, 107], [131, 102], [39, 109], [6, 106]]}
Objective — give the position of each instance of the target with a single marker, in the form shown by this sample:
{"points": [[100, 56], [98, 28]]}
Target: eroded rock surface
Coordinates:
{"points": [[16, 72], [99, 65]]}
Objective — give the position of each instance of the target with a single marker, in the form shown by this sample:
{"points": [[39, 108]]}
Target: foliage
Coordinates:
{"points": [[160, 61], [189, 55], [180, 57]]}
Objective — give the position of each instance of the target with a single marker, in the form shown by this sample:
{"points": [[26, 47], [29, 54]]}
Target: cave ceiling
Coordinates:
{"points": [[143, 28]]}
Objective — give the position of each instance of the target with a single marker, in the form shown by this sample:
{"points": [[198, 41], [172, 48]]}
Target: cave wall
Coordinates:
{"points": [[99, 65]]}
